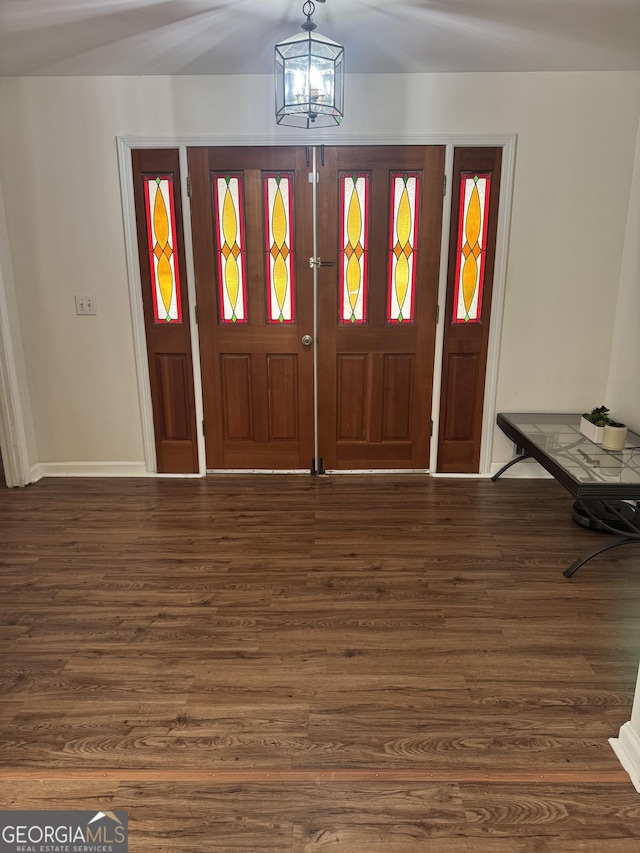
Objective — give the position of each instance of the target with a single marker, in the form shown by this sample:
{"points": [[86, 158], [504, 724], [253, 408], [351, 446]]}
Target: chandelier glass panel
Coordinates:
{"points": [[309, 77]]}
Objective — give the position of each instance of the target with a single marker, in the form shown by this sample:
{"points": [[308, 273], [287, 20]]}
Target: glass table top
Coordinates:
{"points": [[561, 443]]}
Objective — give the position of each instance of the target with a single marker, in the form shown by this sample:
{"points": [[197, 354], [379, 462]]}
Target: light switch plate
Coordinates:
{"points": [[86, 305]]}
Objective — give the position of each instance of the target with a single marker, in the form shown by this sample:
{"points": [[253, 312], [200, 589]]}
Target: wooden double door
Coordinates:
{"points": [[317, 352], [318, 347]]}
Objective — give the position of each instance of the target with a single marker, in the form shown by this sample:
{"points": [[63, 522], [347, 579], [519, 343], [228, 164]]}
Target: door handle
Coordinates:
{"points": [[318, 262], [307, 340]]}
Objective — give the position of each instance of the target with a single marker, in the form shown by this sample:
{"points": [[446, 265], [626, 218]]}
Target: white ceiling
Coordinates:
{"points": [[142, 37]]}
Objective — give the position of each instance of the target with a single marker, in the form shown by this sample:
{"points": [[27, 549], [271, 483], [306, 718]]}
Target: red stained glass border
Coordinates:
{"points": [[215, 176], [465, 176], [147, 179], [365, 256], [414, 233], [265, 179]]}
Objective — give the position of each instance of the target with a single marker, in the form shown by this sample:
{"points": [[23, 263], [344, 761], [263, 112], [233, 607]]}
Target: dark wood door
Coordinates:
{"points": [[255, 304], [156, 180], [381, 208], [379, 233], [472, 250]]}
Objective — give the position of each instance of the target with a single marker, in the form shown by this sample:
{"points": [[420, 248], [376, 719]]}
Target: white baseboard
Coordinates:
{"points": [[627, 747], [88, 469], [527, 469]]}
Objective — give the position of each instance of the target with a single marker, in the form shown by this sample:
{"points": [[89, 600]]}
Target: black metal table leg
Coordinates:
{"points": [[509, 464], [574, 568], [632, 525]]}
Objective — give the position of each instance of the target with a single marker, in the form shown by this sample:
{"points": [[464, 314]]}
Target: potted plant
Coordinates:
{"points": [[592, 423], [614, 435]]}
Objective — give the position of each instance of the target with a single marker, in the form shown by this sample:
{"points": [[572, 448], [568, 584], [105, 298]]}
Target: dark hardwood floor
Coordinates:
{"points": [[358, 664]]}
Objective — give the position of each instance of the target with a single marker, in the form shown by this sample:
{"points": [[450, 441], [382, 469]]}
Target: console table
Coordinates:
{"points": [[584, 468]]}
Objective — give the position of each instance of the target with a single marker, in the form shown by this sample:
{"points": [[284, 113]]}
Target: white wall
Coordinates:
{"points": [[577, 137]]}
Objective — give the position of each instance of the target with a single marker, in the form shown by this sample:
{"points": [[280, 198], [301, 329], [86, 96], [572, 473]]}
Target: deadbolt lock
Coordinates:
{"points": [[318, 262]]}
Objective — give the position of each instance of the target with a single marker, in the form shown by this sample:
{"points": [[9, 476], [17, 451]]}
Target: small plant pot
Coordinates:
{"points": [[615, 436], [591, 431]]}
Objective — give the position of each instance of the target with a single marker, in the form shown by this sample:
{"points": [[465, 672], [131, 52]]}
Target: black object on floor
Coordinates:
{"points": [[604, 515]]}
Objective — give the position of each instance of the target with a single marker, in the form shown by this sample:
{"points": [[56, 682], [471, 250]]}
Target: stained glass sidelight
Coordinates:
{"points": [[278, 207], [230, 247], [405, 193], [472, 238], [161, 231], [354, 246]]}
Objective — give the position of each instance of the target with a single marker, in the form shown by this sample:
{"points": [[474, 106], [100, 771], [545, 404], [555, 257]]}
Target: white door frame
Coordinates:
{"points": [[507, 142], [13, 407]]}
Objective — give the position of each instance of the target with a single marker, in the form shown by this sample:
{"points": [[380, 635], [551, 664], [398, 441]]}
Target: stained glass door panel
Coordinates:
{"points": [[471, 252], [160, 220], [353, 247]]}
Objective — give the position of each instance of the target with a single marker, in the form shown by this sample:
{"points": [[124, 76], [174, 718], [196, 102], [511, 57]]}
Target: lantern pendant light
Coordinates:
{"points": [[309, 77]]}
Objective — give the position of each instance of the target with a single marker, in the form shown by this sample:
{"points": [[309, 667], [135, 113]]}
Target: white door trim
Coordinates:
{"points": [[13, 410], [135, 299], [497, 303]]}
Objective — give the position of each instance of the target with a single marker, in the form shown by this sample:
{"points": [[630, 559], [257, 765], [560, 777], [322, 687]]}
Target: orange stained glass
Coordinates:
{"points": [[403, 219], [278, 208], [354, 246], [230, 247], [471, 247], [161, 230]]}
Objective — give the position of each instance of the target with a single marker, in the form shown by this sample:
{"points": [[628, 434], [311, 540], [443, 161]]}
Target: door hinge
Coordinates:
{"points": [[437, 315], [189, 185], [204, 432], [196, 314], [314, 178], [444, 185], [431, 433]]}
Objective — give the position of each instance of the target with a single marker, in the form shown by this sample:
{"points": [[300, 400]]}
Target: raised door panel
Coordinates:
{"points": [[459, 419], [399, 370], [353, 381], [235, 402], [173, 380], [282, 384]]}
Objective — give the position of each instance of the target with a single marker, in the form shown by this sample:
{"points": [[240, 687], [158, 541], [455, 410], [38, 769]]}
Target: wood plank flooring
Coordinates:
{"points": [[308, 665]]}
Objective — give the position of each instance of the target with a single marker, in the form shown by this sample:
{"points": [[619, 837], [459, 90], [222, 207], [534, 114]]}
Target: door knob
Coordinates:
{"points": [[307, 340]]}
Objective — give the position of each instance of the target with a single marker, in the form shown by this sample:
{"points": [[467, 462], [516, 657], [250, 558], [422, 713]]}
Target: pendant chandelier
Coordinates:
{"points": [[309, 77]]}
